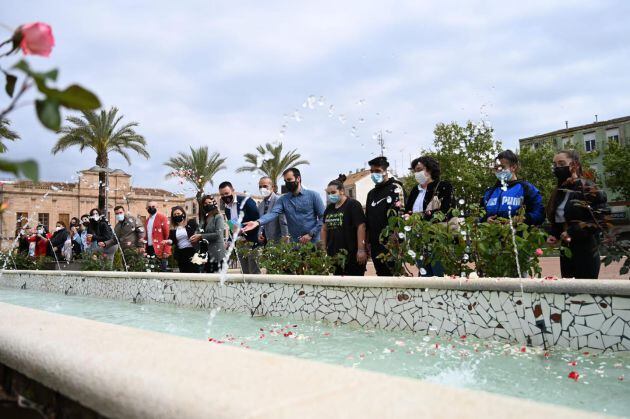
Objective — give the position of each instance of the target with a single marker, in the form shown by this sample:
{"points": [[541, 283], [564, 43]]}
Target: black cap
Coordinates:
{"points": [[380, 161]]}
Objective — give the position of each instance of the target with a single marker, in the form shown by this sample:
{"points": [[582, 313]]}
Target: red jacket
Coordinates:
{"points": [[40, 245], [160, 232]]}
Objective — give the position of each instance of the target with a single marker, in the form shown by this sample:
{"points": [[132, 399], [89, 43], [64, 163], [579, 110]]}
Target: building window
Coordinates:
{"points": [[589, 142], [65, 218], [536, 146], [43, 218], [21, 219], [612, 135]]}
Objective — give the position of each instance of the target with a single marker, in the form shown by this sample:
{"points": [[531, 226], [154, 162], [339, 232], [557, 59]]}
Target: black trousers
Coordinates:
{"points": [[584, 262], [382, 268], [183, 257], [352, 267], [213, 267]]}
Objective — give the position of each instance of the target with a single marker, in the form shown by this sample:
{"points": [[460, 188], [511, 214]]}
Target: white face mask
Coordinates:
{"points": [[40, 231], [265, 192], [120, 217], [57, 228], [421, 177], [96, 217]]}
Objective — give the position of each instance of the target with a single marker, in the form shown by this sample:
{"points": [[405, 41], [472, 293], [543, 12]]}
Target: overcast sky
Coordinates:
{"points": [[230, 74]]}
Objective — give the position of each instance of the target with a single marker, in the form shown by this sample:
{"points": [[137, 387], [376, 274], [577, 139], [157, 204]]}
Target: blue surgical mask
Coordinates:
{"points": [[377, 178], [333, 198], [503, 175]]}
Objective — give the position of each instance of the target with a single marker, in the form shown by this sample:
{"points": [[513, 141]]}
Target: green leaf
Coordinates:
{"points": [[28, 168], [52, 74], [48, 113], [38, 76], [23, 65], [76, 97], [9, 87]]}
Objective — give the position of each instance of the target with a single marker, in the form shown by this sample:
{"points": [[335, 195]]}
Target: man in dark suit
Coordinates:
{"points": [[234, 205], [276, 230]]}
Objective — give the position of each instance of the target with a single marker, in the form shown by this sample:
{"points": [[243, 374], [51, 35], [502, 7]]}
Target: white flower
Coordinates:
{"points": [[473, 275], [407, 228], [198, 260], [411, 253], [401, 235]]}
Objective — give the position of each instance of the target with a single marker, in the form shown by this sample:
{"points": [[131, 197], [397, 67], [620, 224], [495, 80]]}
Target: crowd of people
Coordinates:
{"points": [[300, 216]]}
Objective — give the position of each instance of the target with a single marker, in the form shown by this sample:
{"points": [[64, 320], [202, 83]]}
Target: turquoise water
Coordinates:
{"points": [[603, 384]]}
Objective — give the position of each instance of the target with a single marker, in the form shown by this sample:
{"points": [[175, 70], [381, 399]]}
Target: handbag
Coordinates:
{"points": [[436, 203]]}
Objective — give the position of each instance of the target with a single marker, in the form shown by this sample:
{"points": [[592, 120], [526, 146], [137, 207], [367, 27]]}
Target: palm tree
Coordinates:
{"points": [[274, 164], [198, 168], [6, 133], [102, 133]]}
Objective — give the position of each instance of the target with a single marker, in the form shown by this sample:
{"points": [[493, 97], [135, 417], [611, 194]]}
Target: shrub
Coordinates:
{"points": [[22, 261], [463, 245], [294, 258]]}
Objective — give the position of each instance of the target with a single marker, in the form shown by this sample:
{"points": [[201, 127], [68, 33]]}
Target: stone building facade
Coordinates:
{"points": [[50, 202], [592, 138]]}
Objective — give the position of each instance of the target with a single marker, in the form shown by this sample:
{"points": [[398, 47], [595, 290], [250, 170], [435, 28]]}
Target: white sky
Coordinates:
{"points": [[227, 74]]}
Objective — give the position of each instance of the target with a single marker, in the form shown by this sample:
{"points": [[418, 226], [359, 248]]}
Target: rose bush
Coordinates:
{"points": [[293, 258], [465, 246]]}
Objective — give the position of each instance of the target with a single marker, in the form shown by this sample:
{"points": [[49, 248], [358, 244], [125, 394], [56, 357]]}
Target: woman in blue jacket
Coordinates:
{"points": [[510, 194]]}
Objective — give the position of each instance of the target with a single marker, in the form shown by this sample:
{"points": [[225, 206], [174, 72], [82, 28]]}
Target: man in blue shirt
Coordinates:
{"points": [[303, 209]]}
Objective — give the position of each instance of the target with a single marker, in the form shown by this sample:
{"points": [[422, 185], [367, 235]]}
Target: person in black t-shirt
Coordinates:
{"points": [[344, 228]]}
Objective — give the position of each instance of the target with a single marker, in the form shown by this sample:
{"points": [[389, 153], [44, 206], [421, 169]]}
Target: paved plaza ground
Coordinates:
{"points": [[550, 267]]}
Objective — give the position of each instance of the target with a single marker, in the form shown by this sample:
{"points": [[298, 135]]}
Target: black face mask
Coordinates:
{"points": [[227, 199], [177, 218], [562, 173], [86, 223], [151, 210], [291, 186], [208, 208]]}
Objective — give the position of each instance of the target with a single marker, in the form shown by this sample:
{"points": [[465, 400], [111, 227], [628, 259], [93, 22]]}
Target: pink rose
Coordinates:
{"points": [[37, 39], [539, 252]]}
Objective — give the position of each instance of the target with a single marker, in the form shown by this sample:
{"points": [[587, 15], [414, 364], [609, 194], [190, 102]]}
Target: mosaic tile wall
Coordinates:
{"points": [[583, 321]]}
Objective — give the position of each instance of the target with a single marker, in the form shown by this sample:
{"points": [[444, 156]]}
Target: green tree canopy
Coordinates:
{"points": [[536, 168], [617, 169], [197, 167], [466, 154], [103, 133], [270, 161]]}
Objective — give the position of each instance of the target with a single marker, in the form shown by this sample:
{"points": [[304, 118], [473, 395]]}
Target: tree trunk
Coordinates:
{"points": [[102, 161], [199, 210]]}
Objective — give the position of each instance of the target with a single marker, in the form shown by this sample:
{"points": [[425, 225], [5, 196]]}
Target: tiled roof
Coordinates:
{"points": [[581, 128]]}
